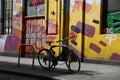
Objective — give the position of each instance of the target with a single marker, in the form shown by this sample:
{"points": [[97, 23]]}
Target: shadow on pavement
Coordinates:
{"points": [[37, 72]]}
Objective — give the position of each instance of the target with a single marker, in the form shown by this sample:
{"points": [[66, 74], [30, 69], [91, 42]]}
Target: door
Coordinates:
{"points": [[35, 26]]}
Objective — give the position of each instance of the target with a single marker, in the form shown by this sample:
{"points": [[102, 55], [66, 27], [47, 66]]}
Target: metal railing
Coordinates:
{"points": [[33, 53]]}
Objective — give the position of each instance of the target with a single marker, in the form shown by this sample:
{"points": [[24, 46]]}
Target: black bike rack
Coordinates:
{"points": [[33, 52]]}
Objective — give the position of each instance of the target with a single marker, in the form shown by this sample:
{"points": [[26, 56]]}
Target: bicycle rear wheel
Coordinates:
{"points": [[45, 59], [73, 62]]}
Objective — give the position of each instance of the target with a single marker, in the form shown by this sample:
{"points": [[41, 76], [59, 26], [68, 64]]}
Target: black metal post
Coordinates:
{"points": [[83, 31]]}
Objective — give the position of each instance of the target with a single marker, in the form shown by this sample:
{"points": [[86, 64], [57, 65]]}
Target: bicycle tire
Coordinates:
{"points": [[73, 62], [45, 59]]}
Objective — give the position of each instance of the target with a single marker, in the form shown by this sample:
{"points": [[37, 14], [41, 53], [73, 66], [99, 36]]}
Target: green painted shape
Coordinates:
{"points": [[111, 24]]}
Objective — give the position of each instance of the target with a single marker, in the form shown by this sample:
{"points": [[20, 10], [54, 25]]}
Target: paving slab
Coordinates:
{"points": [[89, 71]]}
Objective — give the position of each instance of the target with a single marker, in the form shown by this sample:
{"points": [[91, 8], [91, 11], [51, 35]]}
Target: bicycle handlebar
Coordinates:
{"points": [[65, 39]]}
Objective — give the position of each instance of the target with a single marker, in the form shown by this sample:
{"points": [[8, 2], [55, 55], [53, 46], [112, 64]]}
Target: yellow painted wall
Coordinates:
{"points": [[97, 45], [54, 16]]}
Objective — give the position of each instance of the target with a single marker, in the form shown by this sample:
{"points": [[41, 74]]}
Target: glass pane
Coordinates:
{"points": [[35, 7], [8, 15], [113, 5], [6, 30], [10, 22], [6, 22]]}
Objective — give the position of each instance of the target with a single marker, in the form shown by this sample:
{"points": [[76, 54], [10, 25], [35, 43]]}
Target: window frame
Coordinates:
{"points": [[103, 16], [34, 6], [6, 27], [108, 18]]}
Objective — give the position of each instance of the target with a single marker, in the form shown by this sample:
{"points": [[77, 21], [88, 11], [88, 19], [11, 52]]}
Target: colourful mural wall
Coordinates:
{"points": [[96, 45], [33, 27], [11, 43], [35, 32], [40, 28], [53, 12]]}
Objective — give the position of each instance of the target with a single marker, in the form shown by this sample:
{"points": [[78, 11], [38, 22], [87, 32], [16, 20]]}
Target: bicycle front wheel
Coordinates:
{"points": [[73, 62], [45, 59]]}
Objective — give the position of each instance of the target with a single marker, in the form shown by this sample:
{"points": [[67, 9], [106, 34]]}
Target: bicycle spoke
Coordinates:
{"points": [[73, 62], [44, 59]]}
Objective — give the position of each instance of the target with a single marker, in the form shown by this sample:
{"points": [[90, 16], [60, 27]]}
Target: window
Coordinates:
{"points": [[7, 16], [111, 16], [35, 7]]}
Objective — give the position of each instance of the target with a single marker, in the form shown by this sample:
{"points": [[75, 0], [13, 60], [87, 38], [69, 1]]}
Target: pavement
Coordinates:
{"points": [[89, 71]]}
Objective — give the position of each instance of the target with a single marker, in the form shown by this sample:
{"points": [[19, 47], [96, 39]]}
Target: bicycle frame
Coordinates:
{"points": [[63, 46], [65, 55]]}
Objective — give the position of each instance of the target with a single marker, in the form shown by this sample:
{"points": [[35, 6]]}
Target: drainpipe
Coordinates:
{"points": [[83, 31], [66, 18], [47, 15], [60, 9], [24, 13]]}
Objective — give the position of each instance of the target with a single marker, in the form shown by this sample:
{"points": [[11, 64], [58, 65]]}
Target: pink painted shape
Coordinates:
{"points": [[89, 30], [95, 48], [103, 43], [79, 4], [115, 56]]}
